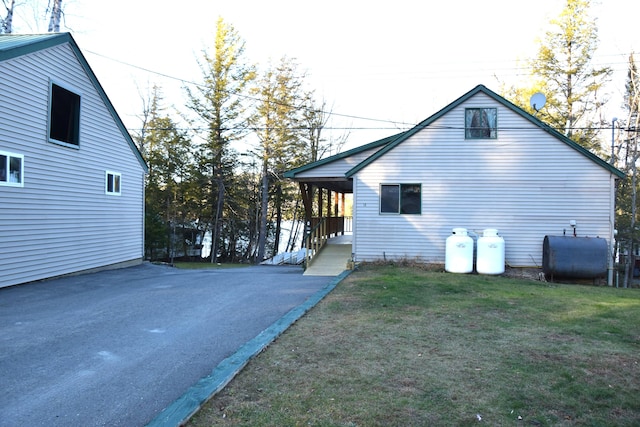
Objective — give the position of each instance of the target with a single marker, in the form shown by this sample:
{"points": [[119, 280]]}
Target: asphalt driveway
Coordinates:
{"points": [[115, 348]]}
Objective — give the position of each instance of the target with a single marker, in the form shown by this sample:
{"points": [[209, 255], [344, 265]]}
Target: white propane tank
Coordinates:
{"points": [[490, 253], [459, 252]]}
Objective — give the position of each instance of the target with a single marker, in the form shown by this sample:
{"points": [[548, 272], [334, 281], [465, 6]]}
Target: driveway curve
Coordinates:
{"points": [[115, 348]]}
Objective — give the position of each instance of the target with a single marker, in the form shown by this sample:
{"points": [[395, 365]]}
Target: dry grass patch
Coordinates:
{"points": [[400, 346]]}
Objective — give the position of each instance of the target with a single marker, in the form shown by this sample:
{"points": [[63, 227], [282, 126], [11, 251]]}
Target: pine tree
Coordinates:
{"points": [[278, 128], [218, 102], [627, 157], [563, 71], [167, 155]]}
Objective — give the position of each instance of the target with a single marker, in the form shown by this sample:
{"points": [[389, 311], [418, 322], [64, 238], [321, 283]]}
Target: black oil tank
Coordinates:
{"points": [[574, 257]]}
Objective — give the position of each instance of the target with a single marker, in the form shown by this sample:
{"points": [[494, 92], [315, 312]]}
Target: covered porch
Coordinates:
{"points": [[328, 228]]}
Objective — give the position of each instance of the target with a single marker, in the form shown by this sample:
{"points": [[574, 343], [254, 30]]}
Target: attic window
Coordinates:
{"points": [[64, 116], [481, 123]]}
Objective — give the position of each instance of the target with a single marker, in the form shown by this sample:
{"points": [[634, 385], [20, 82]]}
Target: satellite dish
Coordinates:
{"points": [[537, 101]]}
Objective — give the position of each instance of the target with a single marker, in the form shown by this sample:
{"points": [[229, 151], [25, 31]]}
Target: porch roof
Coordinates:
{"points": [[332, 172]]}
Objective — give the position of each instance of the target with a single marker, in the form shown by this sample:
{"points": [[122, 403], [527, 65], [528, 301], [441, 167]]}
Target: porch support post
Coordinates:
{"points": [[329, 214], [307, 193], [342, 211]]}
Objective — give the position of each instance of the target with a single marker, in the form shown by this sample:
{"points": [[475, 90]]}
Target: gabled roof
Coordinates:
{"points": [[393, 141], [15, 45], [372, 145], [482, 89]]}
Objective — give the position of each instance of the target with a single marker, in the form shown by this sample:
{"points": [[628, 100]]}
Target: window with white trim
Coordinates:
{"points": [[64, 116], [401, 199], [11, 169], [112, 183]]}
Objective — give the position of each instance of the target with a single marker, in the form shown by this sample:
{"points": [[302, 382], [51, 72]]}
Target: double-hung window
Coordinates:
{"points": [[112, 183], [401, 199], [64, 116], [11, 169], [481, 123]]}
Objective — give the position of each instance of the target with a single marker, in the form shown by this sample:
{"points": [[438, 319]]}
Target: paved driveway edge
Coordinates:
{"points": [[179, 412]]}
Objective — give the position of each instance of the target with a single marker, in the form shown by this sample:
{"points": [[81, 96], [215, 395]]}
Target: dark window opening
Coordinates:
{"points": [[65, 116], [113, 183], [401, 198], [481, 123]]}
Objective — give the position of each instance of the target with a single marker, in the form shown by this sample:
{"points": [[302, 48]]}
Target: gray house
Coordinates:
{"points": [[71, 178], [481, 162]]}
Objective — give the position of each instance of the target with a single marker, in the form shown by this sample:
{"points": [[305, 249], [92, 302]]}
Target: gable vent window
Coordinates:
{"points": [[64, 116], [481, 123], [401, 199], [112, 184], [11, 169]]}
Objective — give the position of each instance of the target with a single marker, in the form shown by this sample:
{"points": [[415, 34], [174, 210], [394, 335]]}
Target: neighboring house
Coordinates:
{"points": [[479, 163], [71, 178]]}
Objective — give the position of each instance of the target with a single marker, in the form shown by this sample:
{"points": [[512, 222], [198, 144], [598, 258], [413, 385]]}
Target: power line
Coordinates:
{"points": [[252, 98], [403, 125]]}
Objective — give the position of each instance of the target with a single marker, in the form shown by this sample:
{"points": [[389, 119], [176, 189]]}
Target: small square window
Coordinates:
{"points": [[481, 123], [64, 116], [112, 184], [401, 198], [11, 169]]}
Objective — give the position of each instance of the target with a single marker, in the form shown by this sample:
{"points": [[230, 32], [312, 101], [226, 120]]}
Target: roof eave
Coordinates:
{"points": [[375, 144]]}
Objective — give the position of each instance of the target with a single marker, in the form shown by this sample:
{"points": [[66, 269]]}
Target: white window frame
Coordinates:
{"points": [[73, 91], [7, 180], [115, 179]]}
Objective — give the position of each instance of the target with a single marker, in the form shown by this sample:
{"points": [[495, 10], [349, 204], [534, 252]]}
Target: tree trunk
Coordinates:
{"points": [[56, 14], [276, 245], [7, 23], [217, 222], [264, 204]]}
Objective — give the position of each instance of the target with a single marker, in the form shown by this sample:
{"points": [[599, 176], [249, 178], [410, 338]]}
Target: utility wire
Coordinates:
{"points": [[399, 125], [252, 98]]}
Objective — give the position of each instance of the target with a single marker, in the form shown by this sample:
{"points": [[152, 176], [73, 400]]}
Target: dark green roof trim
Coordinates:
{"points": [[15, 45], [379, 143], [482, 89]]}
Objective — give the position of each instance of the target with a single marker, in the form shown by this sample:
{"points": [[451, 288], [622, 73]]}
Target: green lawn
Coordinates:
{"points": [[400, 346]]}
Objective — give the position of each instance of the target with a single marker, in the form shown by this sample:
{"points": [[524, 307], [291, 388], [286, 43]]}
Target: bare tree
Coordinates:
{"points": [[56, 14], [6, 23]]}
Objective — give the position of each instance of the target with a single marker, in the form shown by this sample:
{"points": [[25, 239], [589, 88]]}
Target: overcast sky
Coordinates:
{"points": [[397, 61]]}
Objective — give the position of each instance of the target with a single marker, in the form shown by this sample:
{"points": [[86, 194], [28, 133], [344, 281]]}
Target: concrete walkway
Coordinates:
{"points": [[116, 348], [332, 258]]}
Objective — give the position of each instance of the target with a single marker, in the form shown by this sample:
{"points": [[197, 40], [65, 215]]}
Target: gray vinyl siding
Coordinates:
{"points": [[525, 183], [338, 167], [62, 221]]}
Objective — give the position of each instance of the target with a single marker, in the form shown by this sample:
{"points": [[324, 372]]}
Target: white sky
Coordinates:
{"points": [[397, 61]]}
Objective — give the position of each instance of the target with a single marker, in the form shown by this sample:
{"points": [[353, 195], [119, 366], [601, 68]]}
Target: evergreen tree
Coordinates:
{"points": [[626, 159], [563, 71], [278, 128], [218, 103], [167, 155]]}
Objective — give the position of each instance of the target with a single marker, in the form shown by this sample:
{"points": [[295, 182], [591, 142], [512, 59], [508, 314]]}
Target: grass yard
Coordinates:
{"points": [[400, 346]]}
